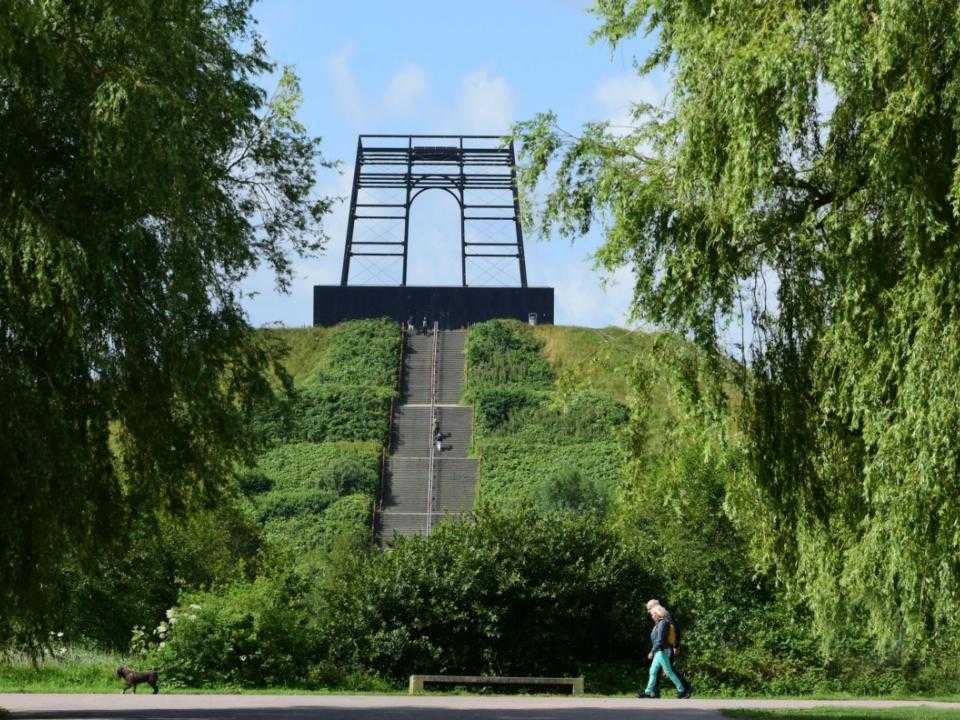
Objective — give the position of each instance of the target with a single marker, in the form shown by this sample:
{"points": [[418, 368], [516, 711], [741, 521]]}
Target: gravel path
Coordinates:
{"points": [[392, 707]]}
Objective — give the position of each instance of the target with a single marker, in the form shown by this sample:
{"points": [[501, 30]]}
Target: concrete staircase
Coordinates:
{"points": [[423, 486]]}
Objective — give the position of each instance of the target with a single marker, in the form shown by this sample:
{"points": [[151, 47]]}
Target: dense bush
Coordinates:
{"points": [[512, 593], [505, 352], [292, 485], [346, 393], [253, 634], [208, 549], [494, 407], [538, 444], [360, 352], [330, 412], [513, 474]]}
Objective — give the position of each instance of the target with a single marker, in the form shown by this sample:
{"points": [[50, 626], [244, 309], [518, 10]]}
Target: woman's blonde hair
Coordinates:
{"points": [[659, 612]]}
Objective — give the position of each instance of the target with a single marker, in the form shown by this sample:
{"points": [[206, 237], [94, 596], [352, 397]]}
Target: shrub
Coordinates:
{"points": [[330, 413], [360, 352], [568, 490], [301, 479], [505, 352], [347, 523], [494, 407], [340, 467], [511, 593], [512, 473], [253, 634]]}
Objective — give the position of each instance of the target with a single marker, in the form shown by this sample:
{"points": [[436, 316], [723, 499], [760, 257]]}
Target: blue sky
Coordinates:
{"points": [[423, 66]]}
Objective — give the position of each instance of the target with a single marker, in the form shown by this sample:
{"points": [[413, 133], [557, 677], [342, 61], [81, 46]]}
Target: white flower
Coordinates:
{"points": [[194, 607], [59, 634], [62, 651], [171, 613], [192, 617], [162, 644], [243, 658]]}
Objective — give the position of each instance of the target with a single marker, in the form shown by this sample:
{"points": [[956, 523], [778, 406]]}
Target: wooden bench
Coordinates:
{"points": [[417, 681]]}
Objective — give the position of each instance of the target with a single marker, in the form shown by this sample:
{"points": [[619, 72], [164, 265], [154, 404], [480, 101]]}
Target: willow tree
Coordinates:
{"points": [[802, 178], [145, 173]]}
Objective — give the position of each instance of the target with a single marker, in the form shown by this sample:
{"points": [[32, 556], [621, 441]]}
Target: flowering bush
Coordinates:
{"points": [[251, 634]]}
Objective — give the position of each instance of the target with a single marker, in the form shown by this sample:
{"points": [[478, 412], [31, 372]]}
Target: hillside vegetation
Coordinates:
{"points": [[639, 433], [604, 480]]}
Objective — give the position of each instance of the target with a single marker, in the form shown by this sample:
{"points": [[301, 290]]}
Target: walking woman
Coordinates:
{"points": [[665, 641]]}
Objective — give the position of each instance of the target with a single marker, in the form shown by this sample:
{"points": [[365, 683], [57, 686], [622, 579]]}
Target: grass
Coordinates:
{"points": [[848, 713], [306, 346], [83, 671], [600, 358]]}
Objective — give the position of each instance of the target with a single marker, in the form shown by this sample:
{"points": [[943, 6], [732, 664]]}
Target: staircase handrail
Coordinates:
{"points": [[433, 409]]}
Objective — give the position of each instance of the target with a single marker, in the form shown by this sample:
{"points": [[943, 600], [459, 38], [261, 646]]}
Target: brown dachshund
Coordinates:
{"points": [[132, 679]]}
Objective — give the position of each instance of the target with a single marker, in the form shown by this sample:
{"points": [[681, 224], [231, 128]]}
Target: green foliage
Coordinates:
{"points": [[360, 352], [251, 635], [553, 444], [146, 173], [503, 353], [513, 474], [209, 548], [305, 478], [346, 524], [70, 669], [917, 712], [346, 378], [331, 412], [803, 178], [569, 491], [494, 407], [511, 594]]}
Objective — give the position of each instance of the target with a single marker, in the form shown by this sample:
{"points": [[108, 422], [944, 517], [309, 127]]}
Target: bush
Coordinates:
{"points": [[338, 467], [513, 473], [495, 407], [505, 352], [207, 549], [569, 491], [254, 634], [300, 479], [508, 594], [347, 523], [346, 393], [331, 413], [360, 352]]}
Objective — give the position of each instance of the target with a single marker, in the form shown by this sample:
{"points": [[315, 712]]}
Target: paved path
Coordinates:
{"points": [[392, 707]]}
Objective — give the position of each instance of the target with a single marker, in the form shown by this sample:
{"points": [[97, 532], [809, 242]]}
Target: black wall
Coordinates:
{"points": [[453, 306]]}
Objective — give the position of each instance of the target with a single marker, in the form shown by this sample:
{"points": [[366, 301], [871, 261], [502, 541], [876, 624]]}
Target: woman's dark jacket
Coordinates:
{"points": [[658, 637]]}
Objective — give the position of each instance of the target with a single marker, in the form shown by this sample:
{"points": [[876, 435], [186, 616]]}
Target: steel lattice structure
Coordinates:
{"points": [[471, 168]]}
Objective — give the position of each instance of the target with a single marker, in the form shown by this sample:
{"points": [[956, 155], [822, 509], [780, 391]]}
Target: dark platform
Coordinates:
{"points": [[452, 306]]}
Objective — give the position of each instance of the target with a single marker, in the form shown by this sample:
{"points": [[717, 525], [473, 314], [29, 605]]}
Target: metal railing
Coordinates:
{"points": [[433, 409]]}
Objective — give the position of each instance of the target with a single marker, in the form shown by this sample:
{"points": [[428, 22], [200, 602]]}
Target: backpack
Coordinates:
{"points": [[672, 636]]}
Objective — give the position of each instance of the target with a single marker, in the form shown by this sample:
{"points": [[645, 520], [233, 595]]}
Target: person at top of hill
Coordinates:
{"points": [[665, 643]]}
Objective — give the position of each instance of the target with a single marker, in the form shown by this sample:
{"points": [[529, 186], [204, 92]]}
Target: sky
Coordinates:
{"points": [[421, 66]]}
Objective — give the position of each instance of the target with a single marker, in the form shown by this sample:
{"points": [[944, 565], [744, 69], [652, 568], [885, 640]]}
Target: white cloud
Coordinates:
{"points": [[615, 97], [486, 104], [405, 90], [345, 85]]}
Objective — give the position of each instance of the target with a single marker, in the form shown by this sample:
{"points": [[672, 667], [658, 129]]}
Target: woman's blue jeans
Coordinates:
{"points": [[662, 660]]}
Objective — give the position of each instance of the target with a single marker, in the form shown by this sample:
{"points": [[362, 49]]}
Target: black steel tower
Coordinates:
{"points": [[391, 172]]}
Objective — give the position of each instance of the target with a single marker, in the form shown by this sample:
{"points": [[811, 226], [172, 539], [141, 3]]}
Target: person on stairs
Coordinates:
{"points": [[665, 643]]}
